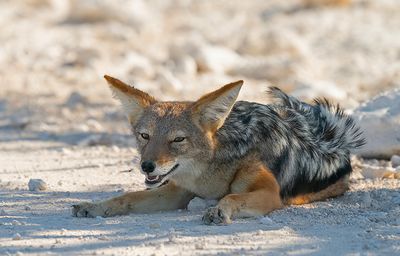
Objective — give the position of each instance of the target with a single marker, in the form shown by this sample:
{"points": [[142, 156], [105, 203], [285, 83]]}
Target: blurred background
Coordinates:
{"points": [[54, 53]]}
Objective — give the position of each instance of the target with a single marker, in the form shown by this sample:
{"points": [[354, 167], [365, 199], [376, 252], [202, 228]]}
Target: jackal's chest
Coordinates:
{"points": [[211, 190], [213, 184]]}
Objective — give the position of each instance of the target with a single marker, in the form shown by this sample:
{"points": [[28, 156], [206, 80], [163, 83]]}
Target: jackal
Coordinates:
{"points": [[253, 158]]}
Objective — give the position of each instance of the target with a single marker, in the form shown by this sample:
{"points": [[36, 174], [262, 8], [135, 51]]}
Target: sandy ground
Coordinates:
{"points": [[365, 221], [59, 123]]}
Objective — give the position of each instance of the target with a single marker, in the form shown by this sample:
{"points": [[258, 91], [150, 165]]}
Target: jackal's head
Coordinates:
{"points": [[174, 138]]}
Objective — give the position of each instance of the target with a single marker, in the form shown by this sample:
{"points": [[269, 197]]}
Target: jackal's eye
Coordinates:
{"points": [[145, 136], [179, 139]]}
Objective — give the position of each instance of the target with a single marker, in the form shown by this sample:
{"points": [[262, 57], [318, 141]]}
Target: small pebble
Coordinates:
{"points": [[266, 220], [197, 204], [17, 236], [37, 185], [66, 151], [16, 223], [395, 161], [120, 190], [75, 99], [172, 238]]}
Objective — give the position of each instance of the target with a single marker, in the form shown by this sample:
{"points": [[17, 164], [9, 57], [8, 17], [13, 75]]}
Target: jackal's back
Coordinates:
{"points": [[307, 147]]}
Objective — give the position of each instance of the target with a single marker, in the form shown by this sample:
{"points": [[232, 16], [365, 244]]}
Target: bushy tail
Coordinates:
{"points": [[333, 129], [341, 126]]}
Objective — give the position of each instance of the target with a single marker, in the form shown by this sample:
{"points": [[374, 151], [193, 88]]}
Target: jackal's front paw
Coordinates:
{"points": [[216, 215], [88, 210]]}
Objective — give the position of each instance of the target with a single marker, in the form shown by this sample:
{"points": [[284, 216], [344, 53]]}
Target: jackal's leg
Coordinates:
{"points": [[164, 198], [258, 194], [242, 205]]}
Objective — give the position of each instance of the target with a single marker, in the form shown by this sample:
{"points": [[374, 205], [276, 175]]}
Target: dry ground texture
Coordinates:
{"points": [[59, 123]]}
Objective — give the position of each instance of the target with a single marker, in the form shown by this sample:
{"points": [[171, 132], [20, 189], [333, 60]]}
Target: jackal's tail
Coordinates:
{"points": [[333, 129]]}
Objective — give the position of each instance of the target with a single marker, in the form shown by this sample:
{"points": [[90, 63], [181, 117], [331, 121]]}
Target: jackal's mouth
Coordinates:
{"points": [[152, 180]]}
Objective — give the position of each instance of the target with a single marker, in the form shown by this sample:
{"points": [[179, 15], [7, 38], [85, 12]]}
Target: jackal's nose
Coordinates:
{"points": [[148, 166]]}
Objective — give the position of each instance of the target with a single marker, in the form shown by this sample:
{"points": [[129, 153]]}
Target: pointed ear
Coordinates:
{"points": [[211, 110], [133, 100]]}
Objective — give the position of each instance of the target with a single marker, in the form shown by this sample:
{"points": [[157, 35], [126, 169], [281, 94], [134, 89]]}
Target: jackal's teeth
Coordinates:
{"points": [[152, 178]]}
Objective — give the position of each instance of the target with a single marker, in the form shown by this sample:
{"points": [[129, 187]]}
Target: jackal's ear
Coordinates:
{"points": [[133, 100], [211, 110]]}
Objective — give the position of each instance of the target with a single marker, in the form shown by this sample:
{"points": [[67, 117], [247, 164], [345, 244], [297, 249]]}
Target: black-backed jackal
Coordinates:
{"points": [[253, 158]]}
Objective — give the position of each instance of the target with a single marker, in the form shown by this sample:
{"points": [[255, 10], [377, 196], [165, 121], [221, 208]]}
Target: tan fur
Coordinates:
{"points": [[255, 191], [171, 108], [133, 100], [164, 198], [163, 159], [144, 98], [334, 190]]}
